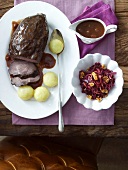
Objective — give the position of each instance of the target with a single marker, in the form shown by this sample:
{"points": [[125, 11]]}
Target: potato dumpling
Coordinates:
{"points": [[25, 92], [50, 79], [41, 94], [56, 46]]}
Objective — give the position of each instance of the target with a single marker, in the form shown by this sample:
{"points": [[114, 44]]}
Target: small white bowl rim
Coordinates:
{"points": [[94, 104]]}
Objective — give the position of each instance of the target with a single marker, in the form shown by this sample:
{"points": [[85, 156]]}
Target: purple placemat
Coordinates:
{"points": [[73, 112]]}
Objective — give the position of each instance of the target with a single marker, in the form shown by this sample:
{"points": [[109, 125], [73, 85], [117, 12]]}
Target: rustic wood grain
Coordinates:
{"points": [[5, 6], [121, 6], [120, 129], [125, 75]]}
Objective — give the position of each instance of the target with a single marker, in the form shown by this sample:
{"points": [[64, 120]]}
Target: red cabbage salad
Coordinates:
{"points": [[96, 81]]}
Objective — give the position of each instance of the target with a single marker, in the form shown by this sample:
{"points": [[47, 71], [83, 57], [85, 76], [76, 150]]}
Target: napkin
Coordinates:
{"points": [[73, 112]]}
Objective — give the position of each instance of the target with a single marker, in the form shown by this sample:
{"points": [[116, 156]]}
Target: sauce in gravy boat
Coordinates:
{"points": [[90, 30]]}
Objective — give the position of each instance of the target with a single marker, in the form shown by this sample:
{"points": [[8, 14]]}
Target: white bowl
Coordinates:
{"points": [[114, 93]]}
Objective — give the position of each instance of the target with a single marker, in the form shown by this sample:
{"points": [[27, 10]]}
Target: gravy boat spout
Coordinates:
{"points": [[92, 29]]}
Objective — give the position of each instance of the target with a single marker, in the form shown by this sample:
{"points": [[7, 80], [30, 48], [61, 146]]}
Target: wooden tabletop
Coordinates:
{"points": [[120, 129]]}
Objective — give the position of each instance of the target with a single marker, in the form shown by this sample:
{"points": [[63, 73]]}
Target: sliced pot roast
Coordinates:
{"points": [[29, 39], [23, 73]]}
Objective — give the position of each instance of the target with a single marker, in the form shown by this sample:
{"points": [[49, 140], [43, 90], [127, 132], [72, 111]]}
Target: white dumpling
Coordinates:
{"points": [[25, 92], [41, 94], [50, 79]]}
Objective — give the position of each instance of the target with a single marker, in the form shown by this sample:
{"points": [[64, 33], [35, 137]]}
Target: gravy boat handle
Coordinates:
{"points": [[111, 28]]}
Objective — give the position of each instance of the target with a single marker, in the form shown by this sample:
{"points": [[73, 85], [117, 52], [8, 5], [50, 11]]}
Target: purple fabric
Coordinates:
{"points": [[73, 112]]}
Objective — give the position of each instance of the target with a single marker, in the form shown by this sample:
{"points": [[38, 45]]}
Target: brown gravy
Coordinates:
{"points": [[90, 29], [15, 25], [47, 61], [9, 60]]}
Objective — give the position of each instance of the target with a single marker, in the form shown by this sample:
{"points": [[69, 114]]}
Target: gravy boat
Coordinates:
{"points": [[107, 29]]}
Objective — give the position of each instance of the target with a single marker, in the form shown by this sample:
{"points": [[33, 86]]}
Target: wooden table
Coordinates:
{"points": [[120, 129]]}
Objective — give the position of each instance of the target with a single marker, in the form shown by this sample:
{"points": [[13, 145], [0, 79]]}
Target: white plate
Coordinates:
{"points": [[70, 56]]}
